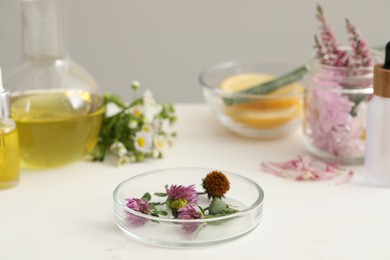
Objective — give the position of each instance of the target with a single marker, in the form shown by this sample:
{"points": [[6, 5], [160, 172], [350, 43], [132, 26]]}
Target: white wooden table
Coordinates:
{"points": [[67, 213]]}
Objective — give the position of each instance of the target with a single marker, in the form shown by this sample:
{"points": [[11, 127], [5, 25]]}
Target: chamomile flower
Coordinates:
{"points": [[160, 143], [122, 160], [137, 111], [137, 131], [132, 124], [118, 148], [151, 107], [143, 141]]}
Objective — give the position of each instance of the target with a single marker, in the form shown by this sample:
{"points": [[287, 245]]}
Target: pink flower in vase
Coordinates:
{"points": [[327, 112], [354, 134], [336, 105]]}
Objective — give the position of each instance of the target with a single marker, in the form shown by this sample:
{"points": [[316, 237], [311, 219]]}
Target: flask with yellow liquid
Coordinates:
{"points": [[9, 148], [54, 102]]}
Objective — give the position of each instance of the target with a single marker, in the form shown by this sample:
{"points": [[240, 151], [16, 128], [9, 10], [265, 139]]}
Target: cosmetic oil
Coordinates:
{"points": [[9, 146], [56, 127]]}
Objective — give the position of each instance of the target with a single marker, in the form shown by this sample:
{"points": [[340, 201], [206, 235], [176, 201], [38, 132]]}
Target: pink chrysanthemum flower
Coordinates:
{"points": [[190, 212], [353, 136], [180, 192], [141, 206], [179, 196], [327, 117]]}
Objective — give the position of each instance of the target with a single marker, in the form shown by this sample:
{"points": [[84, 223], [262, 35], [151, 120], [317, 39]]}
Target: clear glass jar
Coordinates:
{"points": [[336, 98], [54, 102]]}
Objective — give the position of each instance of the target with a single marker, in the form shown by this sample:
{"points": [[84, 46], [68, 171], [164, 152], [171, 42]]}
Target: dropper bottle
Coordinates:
{"points": [[9, 144], [377, 151]]}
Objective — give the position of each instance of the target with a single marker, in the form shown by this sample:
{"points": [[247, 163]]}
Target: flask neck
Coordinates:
{"points": [[4, 104], [43, 29]]}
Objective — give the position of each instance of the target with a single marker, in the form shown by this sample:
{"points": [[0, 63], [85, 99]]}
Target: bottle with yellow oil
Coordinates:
{"points": [[9, 146], [54, 102]]}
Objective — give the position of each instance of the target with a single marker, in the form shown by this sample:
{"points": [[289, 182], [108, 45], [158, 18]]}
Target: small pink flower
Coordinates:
{"points": [[329, 53], [141, 206], [190, 212], [334, 56], [180, 192], [362, 56]]}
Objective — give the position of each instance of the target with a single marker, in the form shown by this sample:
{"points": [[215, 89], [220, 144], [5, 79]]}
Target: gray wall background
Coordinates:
{"points": [[165, 43]]}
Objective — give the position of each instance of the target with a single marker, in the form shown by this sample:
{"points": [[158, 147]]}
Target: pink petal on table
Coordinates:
{"points": [[306, 168], [345, 179]]}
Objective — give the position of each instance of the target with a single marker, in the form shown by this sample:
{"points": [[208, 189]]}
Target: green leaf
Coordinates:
{"points": [[161, 212], [117, 100], [201, 210], [160, 194], [154, 204], [146, 197], [99, 152]]}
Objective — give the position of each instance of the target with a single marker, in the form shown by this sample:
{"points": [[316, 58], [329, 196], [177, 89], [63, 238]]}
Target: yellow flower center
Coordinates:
{"points": [[159, 144], [141, 142], [137, 112], [179, 203]]}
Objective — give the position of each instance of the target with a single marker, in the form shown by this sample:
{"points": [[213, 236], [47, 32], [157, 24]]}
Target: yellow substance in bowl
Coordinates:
{"points": [[265, 112]]}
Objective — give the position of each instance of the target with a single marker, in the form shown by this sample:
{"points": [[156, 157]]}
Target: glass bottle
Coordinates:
{"points": [[377, 154], [54, 102], [336, 100], [9, 147]]}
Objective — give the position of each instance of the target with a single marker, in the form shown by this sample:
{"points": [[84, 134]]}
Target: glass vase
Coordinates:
{"points": [[54, 101], [334, 126]]}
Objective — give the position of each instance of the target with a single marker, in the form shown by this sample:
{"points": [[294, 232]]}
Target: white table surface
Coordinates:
{"points": [[67, 213]]}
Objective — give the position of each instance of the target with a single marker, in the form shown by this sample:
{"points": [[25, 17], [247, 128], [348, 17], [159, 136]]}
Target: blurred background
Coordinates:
{"points": [[165, 44]]}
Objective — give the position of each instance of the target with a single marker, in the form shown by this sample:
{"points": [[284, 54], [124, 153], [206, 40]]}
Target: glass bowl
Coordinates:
{"points": [[260, 116], [244, 195]]}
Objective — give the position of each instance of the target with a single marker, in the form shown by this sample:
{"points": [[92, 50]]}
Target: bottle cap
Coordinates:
{"points": [[382, 76], [4, 99]]}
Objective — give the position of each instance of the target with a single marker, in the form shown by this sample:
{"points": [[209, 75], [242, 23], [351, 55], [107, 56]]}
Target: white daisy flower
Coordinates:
{"points": [[160, 143], [137, 111], [166, 126], [133, 124], [143, 141], [156, 154], [147, 128], [122, 160], [118, 148], [151, 107]]}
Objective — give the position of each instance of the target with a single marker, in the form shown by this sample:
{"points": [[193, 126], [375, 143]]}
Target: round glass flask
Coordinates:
{"points": [[54, 102]]}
